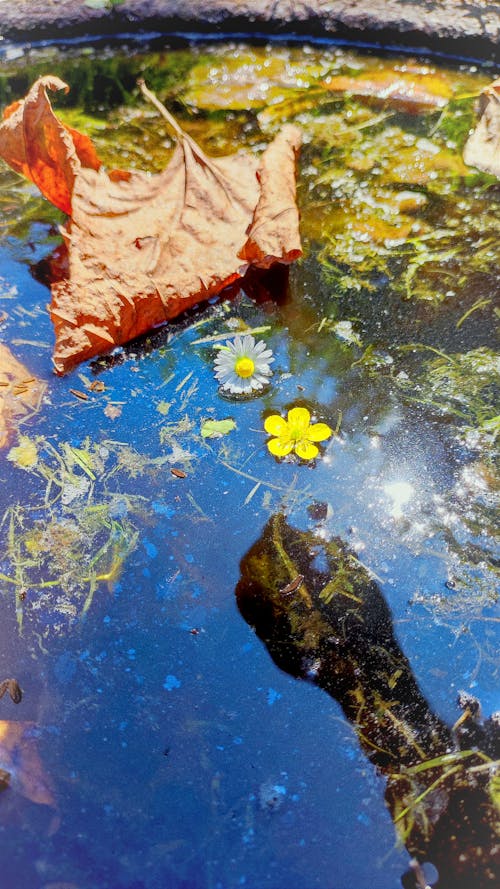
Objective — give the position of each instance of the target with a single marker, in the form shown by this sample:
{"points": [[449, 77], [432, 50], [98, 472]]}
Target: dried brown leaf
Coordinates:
{"points": [[35, 143], [142, 248], [482, 149], [20, 393], [414, 89], [20, 759]]}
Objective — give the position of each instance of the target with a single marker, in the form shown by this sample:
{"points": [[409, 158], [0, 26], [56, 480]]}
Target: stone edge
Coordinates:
{"points": [[450, 27]]}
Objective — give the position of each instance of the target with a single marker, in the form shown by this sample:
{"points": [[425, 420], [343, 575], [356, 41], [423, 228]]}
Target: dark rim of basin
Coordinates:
{"points": [[467, 29]]}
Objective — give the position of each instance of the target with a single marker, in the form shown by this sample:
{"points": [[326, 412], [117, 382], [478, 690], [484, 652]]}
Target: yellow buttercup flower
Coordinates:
{"points": [[296, 433]]}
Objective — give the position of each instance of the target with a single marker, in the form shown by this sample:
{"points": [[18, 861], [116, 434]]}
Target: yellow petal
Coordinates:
{"points": [[299, 418], [275, 425], [280, 447], [318, 432], [306, 450]]}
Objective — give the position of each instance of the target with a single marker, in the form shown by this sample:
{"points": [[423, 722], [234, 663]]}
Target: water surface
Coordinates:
{"points": [[171, 749]]}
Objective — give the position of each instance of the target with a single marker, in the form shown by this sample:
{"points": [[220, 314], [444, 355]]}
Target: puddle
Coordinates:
{"points": [[241, 670]]}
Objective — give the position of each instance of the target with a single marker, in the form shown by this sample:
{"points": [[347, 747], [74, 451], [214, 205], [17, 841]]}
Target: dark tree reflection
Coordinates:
{"points": [[324, 619]]}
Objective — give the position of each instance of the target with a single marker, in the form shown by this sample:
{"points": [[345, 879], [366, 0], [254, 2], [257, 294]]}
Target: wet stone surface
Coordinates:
{"points": [[469, 28]]}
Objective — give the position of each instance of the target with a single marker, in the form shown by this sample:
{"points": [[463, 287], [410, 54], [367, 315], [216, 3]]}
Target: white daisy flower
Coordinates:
{"points": [[242, 366]]}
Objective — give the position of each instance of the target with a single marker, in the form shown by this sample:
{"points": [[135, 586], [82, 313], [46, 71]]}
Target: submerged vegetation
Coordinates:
{"points": [[58, 551], [461, 387]]}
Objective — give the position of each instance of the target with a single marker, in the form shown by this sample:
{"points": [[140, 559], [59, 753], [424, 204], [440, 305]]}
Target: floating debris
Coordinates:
{"points": [[178, 473], [293, 585], [271, 796], [14, 689]]}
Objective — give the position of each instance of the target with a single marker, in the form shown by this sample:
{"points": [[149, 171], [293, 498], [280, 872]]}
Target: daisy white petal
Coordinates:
{"points": [[242, 366]]}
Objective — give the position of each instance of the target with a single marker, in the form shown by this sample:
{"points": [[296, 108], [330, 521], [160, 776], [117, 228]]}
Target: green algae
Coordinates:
{"points": [[57, 552], [463, 386]]}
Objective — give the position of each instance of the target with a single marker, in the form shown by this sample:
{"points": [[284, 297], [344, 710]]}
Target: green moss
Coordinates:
{"points": [[461, 386]]}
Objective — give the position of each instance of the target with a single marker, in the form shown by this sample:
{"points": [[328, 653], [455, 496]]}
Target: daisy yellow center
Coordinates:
{"points": [[244, 367]]}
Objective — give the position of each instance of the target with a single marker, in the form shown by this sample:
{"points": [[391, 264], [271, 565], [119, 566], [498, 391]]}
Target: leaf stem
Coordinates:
{"points": [[186, 140]]}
